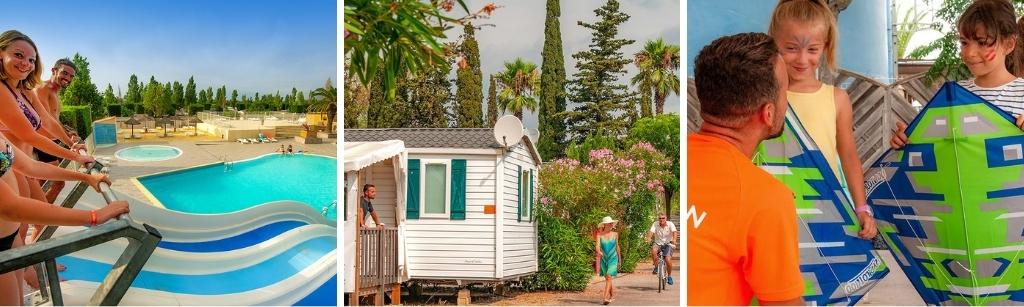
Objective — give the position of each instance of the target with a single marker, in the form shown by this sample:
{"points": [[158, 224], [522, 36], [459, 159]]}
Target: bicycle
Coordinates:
{"points": [[661, 267]]}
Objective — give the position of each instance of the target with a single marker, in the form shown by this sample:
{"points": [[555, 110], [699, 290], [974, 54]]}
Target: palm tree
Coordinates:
{"points": [[518, 85], [658, 63], [325, 99]]}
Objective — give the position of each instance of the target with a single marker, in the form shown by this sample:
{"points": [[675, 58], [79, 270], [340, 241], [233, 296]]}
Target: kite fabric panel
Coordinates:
{"points": [[837, 266], [951, 203]]}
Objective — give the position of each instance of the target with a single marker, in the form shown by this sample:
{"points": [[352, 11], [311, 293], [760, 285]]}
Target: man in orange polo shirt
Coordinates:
{"points": [[742, 239]]}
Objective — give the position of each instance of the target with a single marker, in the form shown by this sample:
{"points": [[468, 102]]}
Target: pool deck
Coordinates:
{"points": [[194, 153]]}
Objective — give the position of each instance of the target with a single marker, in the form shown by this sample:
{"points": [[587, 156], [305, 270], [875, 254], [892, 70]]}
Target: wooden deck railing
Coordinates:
{"points": [[377, 262]]}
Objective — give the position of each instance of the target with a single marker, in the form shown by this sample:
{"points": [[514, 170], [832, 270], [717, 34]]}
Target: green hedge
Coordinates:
{"points": [[297, 108], [78, 117], [114, 110]]}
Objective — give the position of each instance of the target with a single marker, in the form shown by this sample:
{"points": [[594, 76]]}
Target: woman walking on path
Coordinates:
{"points": [[608, 256]]}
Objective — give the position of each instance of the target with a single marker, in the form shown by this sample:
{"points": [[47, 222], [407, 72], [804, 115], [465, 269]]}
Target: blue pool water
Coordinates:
{"points": [[148, 153], [308, 179]]}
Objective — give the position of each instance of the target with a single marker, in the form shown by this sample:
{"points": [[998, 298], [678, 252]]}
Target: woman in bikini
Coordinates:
{"points": [[18, 134]]}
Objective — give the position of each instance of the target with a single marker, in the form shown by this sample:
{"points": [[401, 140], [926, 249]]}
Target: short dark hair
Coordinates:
{"points": [[67, 62], [366, 187], [735, 75]]}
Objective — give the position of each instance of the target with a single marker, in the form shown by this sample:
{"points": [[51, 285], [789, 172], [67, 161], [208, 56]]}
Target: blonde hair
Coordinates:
{"points": [[815, 11], [33, 79]]}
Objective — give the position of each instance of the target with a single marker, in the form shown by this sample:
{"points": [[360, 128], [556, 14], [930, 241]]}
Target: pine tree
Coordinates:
{"points": [[384, 112], [190, 95], [234, 98], [152, 95], [430, 94], [469, 95], [177, 96], [134, 95], [552, 87], [166, 105], [603, 102], [492, 102], [109, 99], [81, 91], [222, 96]]}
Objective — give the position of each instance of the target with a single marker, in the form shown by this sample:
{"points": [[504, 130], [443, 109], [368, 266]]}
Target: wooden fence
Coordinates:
{"points": [[376, 264]]}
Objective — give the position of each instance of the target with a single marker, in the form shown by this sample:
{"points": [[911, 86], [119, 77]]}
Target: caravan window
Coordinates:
{"points": [[436, 180], [524, 192]]}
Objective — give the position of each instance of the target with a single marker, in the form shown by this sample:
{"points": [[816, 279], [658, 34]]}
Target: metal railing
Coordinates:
{"points": [[142, 241], [377, 262]]}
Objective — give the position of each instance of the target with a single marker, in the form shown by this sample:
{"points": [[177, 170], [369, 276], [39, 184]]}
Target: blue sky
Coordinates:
{"points": [[253, 45]]}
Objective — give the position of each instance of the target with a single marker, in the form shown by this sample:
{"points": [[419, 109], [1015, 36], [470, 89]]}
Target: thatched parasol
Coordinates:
{"points": [[195, 121], [132, 122], [163, 122]]}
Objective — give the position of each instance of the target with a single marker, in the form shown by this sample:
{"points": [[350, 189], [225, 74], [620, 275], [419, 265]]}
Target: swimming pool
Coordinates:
{"points": [[148, 153], [219, 188]]}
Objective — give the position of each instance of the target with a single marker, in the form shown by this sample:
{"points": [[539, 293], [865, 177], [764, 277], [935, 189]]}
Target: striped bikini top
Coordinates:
{"points": [[26, 109]]}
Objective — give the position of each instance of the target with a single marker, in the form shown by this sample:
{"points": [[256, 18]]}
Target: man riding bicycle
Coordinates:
{"points": [[664, 233]]}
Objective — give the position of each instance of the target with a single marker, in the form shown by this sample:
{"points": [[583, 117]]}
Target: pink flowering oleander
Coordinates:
{"points": [[645, 146], [545, 200], [600, 153]]}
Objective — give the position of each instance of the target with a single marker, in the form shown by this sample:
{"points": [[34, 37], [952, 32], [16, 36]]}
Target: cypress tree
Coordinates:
{"points": [[552, 87], [469, 95], [492, 102]]}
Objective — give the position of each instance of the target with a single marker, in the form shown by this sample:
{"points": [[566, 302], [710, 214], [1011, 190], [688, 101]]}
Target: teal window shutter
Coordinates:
{"points": [[458, 190], [532, 213], [412, 196], [519, 193]]}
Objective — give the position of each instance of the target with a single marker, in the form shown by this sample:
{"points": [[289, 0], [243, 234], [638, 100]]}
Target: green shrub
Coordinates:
{"points": [[114, 110], [78, 117], [580, 152], [566, 261], [574, 198]]}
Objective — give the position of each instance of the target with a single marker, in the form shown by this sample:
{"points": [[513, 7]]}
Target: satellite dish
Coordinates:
{"points": [[508, 131]]}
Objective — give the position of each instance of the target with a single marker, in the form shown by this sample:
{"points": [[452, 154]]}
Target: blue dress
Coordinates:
{"points": [[610, 259]]}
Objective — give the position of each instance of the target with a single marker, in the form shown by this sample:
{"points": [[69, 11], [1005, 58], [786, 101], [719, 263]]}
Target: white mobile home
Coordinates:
{"points": [[462, 203]]}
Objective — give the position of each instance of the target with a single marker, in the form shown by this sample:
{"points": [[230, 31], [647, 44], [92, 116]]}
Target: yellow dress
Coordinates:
{"points": [[817, 113]]}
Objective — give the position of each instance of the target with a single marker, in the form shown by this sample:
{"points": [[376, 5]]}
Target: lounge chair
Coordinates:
{"points": [[243, 141], [272, 140], [254, 141]]}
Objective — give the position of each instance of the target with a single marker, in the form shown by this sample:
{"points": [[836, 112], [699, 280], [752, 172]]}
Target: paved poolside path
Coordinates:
{"points": [[194, 153]]}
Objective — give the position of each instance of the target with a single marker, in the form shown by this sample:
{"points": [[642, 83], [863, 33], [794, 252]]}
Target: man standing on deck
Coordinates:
{"points": [[366, 207]]}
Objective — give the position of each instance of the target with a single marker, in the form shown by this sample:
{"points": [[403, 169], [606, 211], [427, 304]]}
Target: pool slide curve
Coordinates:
{"points": [[281, 253]]}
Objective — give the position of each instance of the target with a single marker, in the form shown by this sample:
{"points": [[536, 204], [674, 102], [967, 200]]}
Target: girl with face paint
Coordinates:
{"points": [[991, 47], [806, 34]]}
